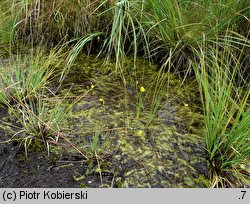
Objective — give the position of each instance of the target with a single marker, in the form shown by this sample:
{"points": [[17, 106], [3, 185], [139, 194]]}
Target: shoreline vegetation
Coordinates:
{"points": [[157, 90]]}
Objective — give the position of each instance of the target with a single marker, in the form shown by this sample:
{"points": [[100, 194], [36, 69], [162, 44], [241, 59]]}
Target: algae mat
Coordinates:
{"points": [[142, 128]]}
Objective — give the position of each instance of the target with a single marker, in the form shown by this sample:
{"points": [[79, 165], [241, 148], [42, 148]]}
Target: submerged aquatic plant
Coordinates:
{"points": [[120, 27]]}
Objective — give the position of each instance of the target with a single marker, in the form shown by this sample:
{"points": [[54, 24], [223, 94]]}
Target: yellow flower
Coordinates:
{"points": [[142, 89], [140, 133], [101, 99], [186, 105], [92, 86]]}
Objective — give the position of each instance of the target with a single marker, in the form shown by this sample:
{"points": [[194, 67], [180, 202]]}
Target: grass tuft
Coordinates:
{"points": [[227, 117]]}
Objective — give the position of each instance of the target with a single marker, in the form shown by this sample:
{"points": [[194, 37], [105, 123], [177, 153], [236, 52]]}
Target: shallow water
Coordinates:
{"points": [[110, 121]]}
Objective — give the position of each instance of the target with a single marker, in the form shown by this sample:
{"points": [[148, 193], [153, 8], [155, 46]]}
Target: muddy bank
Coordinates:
{"points": [[137, 163]]}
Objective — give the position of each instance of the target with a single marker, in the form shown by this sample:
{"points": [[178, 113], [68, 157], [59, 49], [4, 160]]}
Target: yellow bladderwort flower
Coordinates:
{"points": [[92, 86], [140, 133], [102, 100], [186, 105], [142, 89]]}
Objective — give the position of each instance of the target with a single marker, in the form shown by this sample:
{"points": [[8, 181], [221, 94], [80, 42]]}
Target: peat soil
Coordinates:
{"points": [[38, 170]]}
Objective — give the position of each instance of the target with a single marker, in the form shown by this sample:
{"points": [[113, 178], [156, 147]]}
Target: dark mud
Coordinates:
{"points": [[40, 171]]}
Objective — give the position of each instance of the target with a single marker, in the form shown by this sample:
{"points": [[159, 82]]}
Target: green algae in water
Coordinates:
{"points": [[148, 156], [162, 154]]}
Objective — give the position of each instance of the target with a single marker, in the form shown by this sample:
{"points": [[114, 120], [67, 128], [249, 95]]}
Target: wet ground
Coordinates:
{"points": [[112, 126], [39, 170]]}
